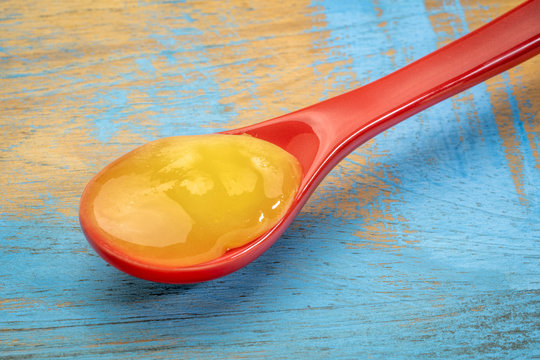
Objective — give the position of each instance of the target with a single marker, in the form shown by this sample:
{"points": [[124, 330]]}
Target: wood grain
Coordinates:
{"points": [[424, 243]]}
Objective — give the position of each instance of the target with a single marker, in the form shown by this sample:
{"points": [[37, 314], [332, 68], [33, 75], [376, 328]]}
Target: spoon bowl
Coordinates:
{"points": [[321, 135]]}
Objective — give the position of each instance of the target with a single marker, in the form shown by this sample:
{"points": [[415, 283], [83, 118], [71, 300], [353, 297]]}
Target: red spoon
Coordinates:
{"points": [[321, 135]]}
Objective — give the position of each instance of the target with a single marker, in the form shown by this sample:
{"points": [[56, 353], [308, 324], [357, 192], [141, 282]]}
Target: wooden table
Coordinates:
{"points": [[424, 243]]}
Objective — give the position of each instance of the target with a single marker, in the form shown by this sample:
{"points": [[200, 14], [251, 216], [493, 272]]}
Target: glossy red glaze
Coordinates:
{"points": [[323, 134]]}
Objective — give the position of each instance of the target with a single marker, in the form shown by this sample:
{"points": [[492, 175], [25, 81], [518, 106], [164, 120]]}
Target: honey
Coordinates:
{"points": [[186, 200]]}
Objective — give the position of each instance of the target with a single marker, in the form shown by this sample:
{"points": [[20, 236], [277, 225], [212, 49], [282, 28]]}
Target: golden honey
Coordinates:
{"points": [[185, 200]]}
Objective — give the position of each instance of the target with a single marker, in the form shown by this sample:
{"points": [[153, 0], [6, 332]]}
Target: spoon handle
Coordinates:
{"points": [[357, 116]]}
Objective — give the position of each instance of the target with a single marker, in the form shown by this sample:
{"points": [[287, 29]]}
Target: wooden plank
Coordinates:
{"points": [[421, 244]]}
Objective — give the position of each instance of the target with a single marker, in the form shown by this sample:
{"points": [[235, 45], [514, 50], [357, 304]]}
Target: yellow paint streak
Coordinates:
{"points": [[526, 78], [372, 204], [63, 59], [68, 304], [504, 118], [446, 25], [102, 343], [17, 303], [269, 64]]}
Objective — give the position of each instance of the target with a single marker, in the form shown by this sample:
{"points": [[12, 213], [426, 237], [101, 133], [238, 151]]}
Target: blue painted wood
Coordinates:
{"points": [[422, 244]]}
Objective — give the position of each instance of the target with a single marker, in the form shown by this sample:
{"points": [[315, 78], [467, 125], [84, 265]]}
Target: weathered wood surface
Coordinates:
{"points": [[422, 244]]}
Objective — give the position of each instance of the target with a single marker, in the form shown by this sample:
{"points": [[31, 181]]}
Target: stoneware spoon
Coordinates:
{"points": [[321, 135]]}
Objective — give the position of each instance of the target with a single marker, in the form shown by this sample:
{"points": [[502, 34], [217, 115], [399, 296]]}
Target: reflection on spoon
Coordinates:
{"points": [[186, 200], [134, 213]]}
